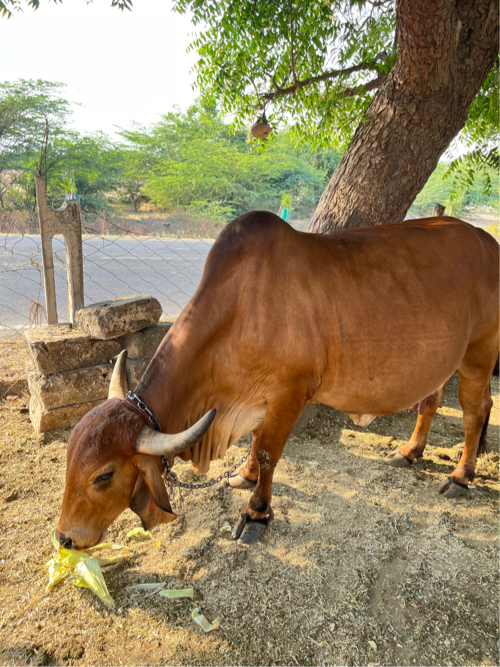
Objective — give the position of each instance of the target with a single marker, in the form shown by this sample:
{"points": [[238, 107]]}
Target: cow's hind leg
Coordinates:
{"points": [[268, 449], [475, 399], [414, 449]]}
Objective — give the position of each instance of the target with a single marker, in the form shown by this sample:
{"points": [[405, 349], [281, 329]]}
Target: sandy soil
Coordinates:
{"points": [[363, 565]]}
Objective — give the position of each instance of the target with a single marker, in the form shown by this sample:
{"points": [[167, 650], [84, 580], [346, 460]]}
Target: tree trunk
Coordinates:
{"points": [[445, 50]]}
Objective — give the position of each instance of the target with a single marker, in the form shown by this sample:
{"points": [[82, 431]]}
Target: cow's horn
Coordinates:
{"points": [[118, 386], [162, 444]]}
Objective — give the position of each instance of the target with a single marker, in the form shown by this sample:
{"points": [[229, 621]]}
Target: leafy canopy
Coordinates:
{"points": [[481, 136], [319, 63], [316, 62], [9, 7]]}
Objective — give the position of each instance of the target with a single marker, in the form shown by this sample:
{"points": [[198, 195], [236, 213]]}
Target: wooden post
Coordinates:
{"points": [[67, 221]]}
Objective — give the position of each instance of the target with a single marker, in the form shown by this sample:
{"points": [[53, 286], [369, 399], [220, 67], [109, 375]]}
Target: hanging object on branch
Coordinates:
{"points": [[261, 129]]}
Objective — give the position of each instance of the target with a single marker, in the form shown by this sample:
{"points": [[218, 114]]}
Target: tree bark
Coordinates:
{"points": [[446, 48]]}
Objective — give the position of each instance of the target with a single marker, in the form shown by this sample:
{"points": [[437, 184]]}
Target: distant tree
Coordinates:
{"points": [[28, 110], [189, 160], [27, 107], [95, 164], [440, 189]]}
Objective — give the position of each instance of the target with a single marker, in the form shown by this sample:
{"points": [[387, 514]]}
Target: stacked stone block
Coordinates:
{"points": [[69, 370], [141, 347], [68, 374]]}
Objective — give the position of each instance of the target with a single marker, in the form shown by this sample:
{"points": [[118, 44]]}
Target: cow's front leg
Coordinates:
{"points": [[247, 477], [253, 522]]}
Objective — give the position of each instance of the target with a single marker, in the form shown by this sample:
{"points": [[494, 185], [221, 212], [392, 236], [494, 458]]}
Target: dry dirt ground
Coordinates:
{"points": [[363, 565]]}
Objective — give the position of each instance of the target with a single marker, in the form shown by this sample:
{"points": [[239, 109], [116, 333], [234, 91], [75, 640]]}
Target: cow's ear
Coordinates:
{"points": [[150, 499]]}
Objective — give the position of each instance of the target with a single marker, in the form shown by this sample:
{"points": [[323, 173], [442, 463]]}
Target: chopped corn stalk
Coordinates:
{"points": [[178, 593], [140, 534], [106, 545], [202, 621], [82, 569]]}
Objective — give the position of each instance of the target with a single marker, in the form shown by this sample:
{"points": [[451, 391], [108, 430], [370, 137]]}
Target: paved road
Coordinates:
{"points": [[169, 269]]}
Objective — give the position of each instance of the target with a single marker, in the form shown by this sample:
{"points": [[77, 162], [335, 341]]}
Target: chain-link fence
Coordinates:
{"points": [[120, 258]]}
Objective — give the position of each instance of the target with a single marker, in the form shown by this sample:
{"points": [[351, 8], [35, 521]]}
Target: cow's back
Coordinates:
{"points": [[352, 312]]}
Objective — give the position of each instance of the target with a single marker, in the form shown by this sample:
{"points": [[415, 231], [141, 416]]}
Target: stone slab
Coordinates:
{"points": [[135, 370], [118, 317], [309, 412], [71, 387], [143, 344], [65, 417], [56, 349]]}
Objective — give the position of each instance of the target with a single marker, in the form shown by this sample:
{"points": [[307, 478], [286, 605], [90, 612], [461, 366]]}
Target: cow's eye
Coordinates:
{"points": [[104, 478]]}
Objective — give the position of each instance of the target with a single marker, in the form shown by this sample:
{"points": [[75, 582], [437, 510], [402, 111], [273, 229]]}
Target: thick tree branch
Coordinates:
{"points": [[365, 87], [333, 74]]}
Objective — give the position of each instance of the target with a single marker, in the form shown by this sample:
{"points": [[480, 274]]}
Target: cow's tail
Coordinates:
{"points": [[481, 448], [496, 370]]}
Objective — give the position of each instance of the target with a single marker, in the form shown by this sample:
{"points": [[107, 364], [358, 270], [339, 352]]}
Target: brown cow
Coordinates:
{"points": [[370, 321]]}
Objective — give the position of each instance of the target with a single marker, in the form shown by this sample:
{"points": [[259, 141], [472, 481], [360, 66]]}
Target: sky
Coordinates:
{"points": [[121, 66]]}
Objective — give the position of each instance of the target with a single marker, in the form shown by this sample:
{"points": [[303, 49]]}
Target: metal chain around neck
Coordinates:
{"points": [[144, 408], [172, 482]]}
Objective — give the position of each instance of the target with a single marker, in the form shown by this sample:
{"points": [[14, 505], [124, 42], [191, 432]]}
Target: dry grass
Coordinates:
{"points": [[363, 564], [13, 359]]}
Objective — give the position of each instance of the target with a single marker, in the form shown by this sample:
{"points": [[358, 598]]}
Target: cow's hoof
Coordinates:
{"points": [[453, 489], [400, 461], [247, 530], [240, 482]]}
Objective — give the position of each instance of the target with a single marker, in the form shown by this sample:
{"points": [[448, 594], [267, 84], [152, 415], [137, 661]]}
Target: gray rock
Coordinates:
{"points": [[59, 348], [118, 317], [309, 412], [65, 417], [13, 387], [143, 344], [82, 385], [135, 370]]}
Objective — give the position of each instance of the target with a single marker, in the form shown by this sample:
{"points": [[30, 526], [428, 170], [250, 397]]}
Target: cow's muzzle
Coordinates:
{"points": [[64, 541]]}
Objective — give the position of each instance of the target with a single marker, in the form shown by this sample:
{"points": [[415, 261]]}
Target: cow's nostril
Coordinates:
{"points": [[65, 541]]}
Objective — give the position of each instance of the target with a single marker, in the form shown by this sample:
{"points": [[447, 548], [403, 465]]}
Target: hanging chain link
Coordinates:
{"points": [[172, 482], [170, 476]]}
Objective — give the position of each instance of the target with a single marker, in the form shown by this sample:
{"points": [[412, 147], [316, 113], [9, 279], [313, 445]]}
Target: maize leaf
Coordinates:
{"points": [[91, 573], [57, 573], [112, 559], [73, 559]]}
